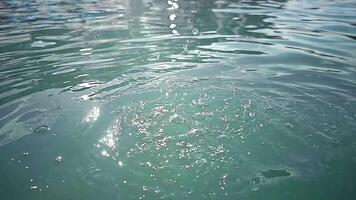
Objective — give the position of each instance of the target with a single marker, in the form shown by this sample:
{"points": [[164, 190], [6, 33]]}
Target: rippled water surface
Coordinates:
{"points": [[193, 99]]}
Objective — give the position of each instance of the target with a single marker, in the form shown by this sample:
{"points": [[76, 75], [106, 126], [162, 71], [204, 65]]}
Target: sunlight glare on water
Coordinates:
{"points": [[193, 99]]}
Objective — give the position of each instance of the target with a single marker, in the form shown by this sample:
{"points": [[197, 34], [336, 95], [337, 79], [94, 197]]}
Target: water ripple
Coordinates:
{"points": [[148, 99]]}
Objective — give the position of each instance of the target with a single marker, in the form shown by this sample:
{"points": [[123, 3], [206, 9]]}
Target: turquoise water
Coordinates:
{"points": [[148, 99]]}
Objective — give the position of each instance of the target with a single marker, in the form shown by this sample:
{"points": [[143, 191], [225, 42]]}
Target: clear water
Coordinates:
{"points": [[148, 99]]}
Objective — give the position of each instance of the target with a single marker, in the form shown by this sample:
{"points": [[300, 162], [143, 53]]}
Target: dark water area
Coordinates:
{"points": [[148, 99]]}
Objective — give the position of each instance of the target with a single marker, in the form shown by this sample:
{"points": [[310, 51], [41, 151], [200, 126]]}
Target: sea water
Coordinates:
{"points": [[193, 99]]}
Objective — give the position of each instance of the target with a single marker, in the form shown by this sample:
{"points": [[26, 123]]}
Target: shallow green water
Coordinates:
{"points": [[149, 99]]}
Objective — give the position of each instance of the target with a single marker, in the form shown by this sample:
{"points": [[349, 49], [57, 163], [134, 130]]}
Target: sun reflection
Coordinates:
{"points": [[92, 115], [109, 140], [85, 51], [105, 153]]}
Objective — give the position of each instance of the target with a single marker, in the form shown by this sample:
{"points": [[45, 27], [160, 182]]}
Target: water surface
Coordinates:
{"points": [[148, 99]]}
